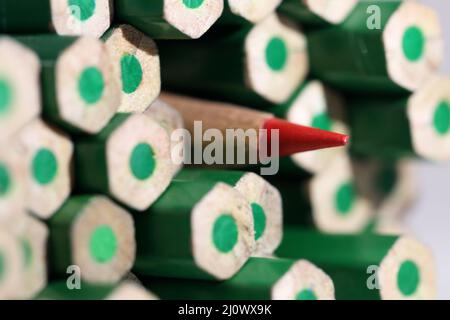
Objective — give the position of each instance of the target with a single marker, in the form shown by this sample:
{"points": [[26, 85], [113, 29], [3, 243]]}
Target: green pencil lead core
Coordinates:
{"points": [[103, 244], [413, 43], [27, 252], [193, 4], [321, 121], [131, 71], [5, 97], [91, 85], [142, 161], [408, 278], [82, 9], [276, 54], [386, 180], [345, 198], [44, 166], [5, 180], [441, 119], [225, 233], [259, 220], [2, 267], [306, 294]]}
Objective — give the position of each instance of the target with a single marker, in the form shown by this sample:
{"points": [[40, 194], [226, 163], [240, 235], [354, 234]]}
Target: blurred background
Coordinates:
{"points": [[430, 217]]}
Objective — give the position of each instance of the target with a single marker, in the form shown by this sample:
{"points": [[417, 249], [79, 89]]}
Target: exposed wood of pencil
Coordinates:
{"points": [[252, 11], [168, 19], [222, 116]]}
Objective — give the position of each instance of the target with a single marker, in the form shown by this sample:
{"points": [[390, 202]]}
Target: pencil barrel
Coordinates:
{"points": [[16, 16]]}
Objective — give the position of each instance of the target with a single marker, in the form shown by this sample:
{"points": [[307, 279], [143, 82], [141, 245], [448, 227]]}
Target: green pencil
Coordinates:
{"points": [[12, 267], [260, 63], [419, 125], [329, 201], [238, 12], [197, 229], [94, 234], [259, 279], [168, 19], [264, 199], [128, 160], [72, 17], [20, 98], [12, 183], [80, 92], [389, 46], [367, 266], [314, 105], [125, 290], [48, 156], [136, 61], [313, 13]]}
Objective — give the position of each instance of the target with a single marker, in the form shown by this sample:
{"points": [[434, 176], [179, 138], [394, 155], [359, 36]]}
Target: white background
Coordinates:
{"points": [[430, 217]]}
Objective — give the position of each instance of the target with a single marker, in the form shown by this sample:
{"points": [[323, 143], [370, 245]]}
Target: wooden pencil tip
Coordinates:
{"points": [[295, 138]]}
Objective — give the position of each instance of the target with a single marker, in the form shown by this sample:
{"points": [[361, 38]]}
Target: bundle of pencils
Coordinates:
{"points": [[134, 165]]}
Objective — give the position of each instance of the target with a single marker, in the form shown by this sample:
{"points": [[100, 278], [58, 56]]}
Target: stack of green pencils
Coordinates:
{"points": [[95, 202]]}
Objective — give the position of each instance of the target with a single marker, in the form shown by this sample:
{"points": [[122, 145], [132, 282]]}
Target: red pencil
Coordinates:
{"points": [[223, 116]]}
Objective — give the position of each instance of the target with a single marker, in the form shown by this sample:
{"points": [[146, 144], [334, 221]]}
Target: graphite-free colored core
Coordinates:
{"points": [[91, 85], [193, 4], [82, 9], [276, 54], [322, 121], [408, 278], [5, 97], [306, 294], [259, 220], [103, 244], [131, 70], [5, 180], [413, 43], [142, 161], [441, 119], [225, 233], [345, 198], [44, 166]]}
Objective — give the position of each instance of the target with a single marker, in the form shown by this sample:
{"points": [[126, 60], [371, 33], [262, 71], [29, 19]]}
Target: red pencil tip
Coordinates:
{"points": [[295, 138]]}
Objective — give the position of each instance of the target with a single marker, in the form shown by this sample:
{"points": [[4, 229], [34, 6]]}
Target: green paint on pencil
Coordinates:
{"points": [[82, 9], [103, 244], [91, 85], [27, 252], [386, 180], [131, 70], [441, 119], [413, 43], [408, 278], [321, 121], [345, 198], [225, 233], [2, 267], [44, 166], [142, 161], [276, 54], [259, 220], [5, 97], [306, 294], [193, 4], [5, 180]]}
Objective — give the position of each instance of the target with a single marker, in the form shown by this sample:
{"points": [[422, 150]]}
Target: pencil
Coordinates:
{"points": [[168, 19], [197, 229], [391, 187], [329, 201], [238, 12], [171, 120], [48, 156], [11, 265], [367, 266], [315, 105], [394, 50], [12, 183], [257, 65], [33, 237], [125, 290], [259, 279], [128, 160], [223, 116], [20, 93], [80, 92], [96, 235], [72, 17], [264, 199], [419, 125], [136, 61], [313, 13]]}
